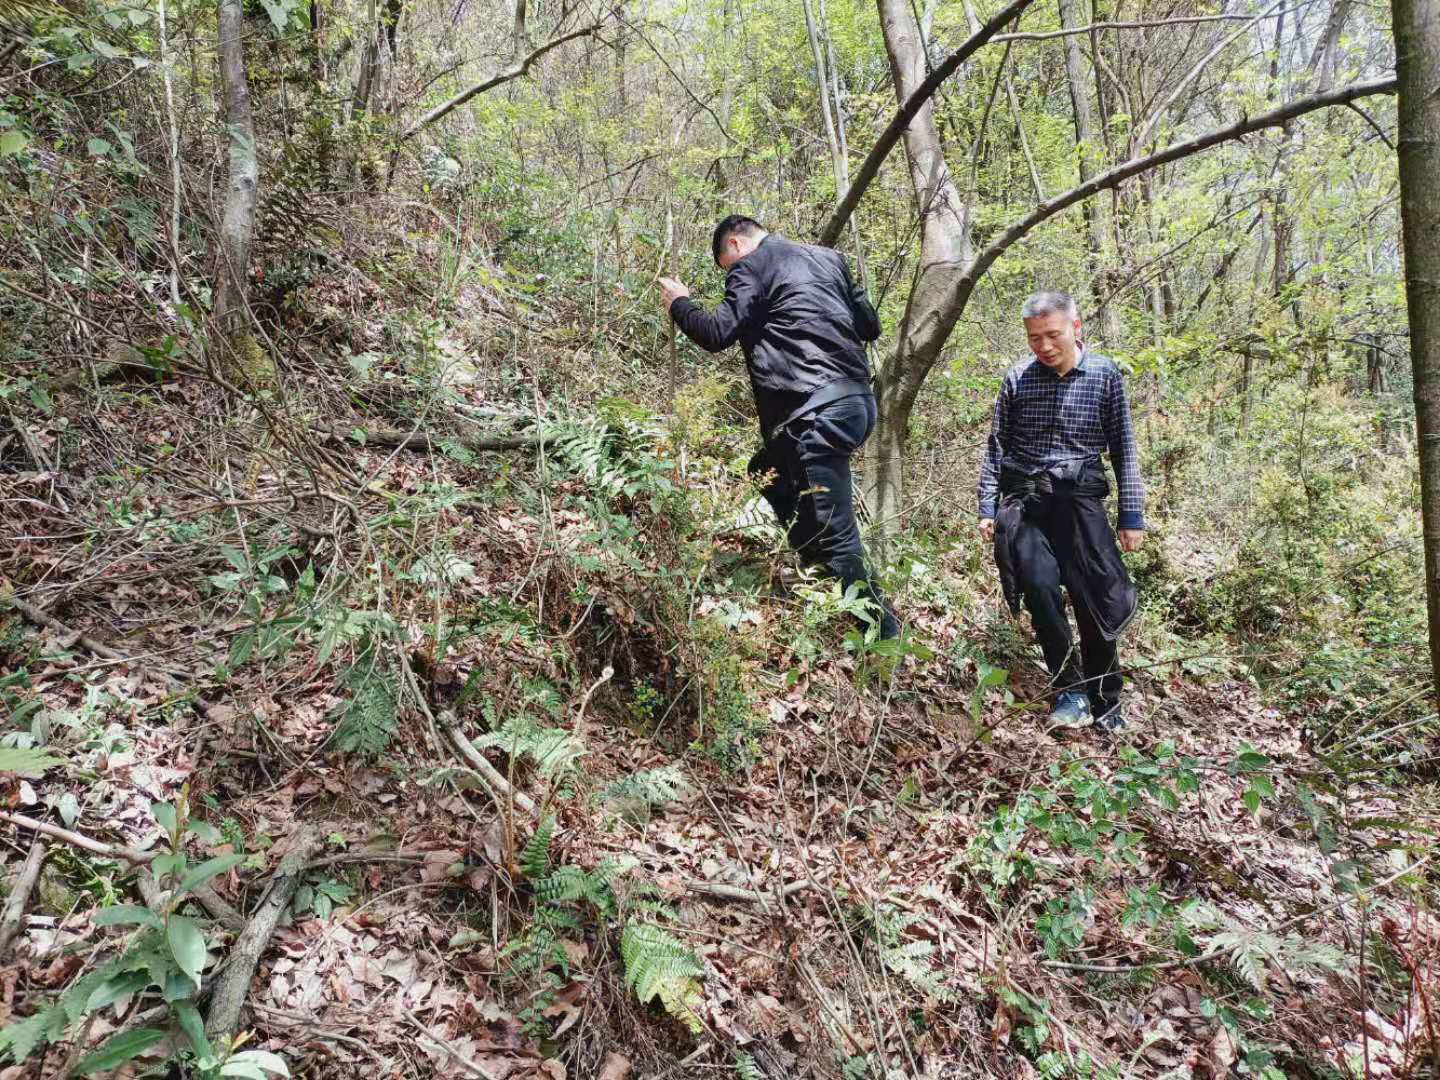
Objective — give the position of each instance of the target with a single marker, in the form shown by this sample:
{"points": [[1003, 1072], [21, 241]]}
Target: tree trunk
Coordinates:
{"points": [[944, 247], [1088, 155], [237, 229], [1417, 51]]}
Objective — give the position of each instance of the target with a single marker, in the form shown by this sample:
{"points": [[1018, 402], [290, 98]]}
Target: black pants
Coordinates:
{"points": [[812, 493], [1045, 557]]}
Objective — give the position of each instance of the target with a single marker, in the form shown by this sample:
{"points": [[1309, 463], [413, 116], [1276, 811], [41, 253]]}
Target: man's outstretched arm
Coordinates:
{"points": [[718, 330]]}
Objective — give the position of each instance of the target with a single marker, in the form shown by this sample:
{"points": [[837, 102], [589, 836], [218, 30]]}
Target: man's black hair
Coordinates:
{"points": [[735, 223]]}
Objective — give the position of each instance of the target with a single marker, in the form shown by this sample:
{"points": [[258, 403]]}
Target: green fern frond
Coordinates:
{"points": [[535, 856], [553, 752], [366, 721], [562, 884], [746, 1068], [653, 787], [658, 965]]}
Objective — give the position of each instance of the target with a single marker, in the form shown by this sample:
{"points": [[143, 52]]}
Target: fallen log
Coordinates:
{"points": [[14, 913], [228, 998]]}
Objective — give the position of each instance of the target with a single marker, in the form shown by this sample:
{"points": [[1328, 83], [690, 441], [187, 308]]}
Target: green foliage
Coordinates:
{"points": [[553, 752], [649, 789], [535, 858], [911, 958], [321, 895], [27, 761], [166, 951], [658, 965], [365, 721]]}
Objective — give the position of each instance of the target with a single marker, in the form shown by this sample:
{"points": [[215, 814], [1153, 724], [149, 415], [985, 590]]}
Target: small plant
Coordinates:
{"points": [[167, 952], [365, 721], [909, 958], [658, 965]]}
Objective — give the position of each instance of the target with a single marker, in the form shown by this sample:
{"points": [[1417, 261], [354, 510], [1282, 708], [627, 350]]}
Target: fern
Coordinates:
{"points": [[366, 721], [554, 752], [746, 1068], [535, 857], [657, 964], [909, 959], [565, 883], [649, 787]]}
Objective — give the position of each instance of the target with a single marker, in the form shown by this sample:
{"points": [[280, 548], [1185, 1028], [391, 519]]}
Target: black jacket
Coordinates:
{"points": [[1065, 503], [800, 319]]}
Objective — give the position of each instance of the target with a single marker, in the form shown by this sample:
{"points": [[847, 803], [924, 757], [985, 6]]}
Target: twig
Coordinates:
{"points": [[121, 854], [473, 1066], [488, 772], [213, 902], [32, 445], [20, 894], [721, 891], [426, 441], [230, 989]]}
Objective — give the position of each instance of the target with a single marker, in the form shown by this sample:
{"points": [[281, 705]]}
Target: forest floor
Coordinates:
{"points": [[883, 865]]}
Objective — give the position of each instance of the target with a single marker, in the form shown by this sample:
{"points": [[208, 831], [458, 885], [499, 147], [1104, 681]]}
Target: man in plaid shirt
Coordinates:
{"points": [[1042, 492]]}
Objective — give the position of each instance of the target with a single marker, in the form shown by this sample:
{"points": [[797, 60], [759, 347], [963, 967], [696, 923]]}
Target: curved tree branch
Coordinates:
{"points": [[1113, 178], [901, 120], [514, 71]]}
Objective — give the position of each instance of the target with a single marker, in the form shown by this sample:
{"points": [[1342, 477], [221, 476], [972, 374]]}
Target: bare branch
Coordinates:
{"points": [[870, 168], [965, 285], [514, 71], [1142, 24]]}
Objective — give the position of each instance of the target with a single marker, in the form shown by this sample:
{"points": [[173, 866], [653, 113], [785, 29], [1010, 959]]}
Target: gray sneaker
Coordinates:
{"points": [[1072, 710], [1111, 720]]}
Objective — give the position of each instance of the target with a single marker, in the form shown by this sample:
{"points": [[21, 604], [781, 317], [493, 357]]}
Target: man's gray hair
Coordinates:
{"points": [[1048, 303]]}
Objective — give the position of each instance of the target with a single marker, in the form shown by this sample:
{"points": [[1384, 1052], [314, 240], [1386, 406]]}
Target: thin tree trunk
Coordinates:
{"points": [[837, 159], [944, 245], [1088, 155], [1417, 51], [173, 152], [237, 228]]}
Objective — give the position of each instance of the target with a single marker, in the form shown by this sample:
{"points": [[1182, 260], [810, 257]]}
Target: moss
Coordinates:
{"points": [[253, 365]]}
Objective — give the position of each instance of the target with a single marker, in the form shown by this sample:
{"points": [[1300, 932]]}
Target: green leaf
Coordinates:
{"points": [[20, 1038], [120, 1049], [98, 147], [12, 142], [207, 870], [127, 915], [242, 1069], [271, 1063], [187, 945], [205, 832], [189, 1020], [26, 761], [164, 813], [112, 990]]}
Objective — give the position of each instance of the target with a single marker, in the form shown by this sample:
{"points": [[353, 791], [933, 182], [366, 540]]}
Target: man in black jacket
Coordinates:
{"points": [[802, 323]]}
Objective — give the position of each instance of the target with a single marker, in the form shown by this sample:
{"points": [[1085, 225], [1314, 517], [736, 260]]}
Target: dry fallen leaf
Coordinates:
{"points": [[617, 1066]]}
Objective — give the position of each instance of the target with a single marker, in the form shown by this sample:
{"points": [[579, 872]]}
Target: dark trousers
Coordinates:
{"points": [[812, 493], [1045, 561]]}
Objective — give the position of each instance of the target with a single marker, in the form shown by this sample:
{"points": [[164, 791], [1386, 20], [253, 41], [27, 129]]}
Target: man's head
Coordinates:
{"points": [[1052, 327], [734, 238]]}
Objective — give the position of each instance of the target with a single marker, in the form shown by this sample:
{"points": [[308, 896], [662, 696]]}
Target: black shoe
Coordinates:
{"points": [[889, 625]]}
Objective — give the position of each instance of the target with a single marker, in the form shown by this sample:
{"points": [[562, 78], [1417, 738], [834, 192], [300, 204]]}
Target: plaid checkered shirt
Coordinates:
{"points": [[1042, 420]]}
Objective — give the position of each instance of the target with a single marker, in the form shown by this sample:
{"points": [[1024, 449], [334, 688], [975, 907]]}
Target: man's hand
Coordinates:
{"points": [[670, 290], [1131, 539], [987, 529]]}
